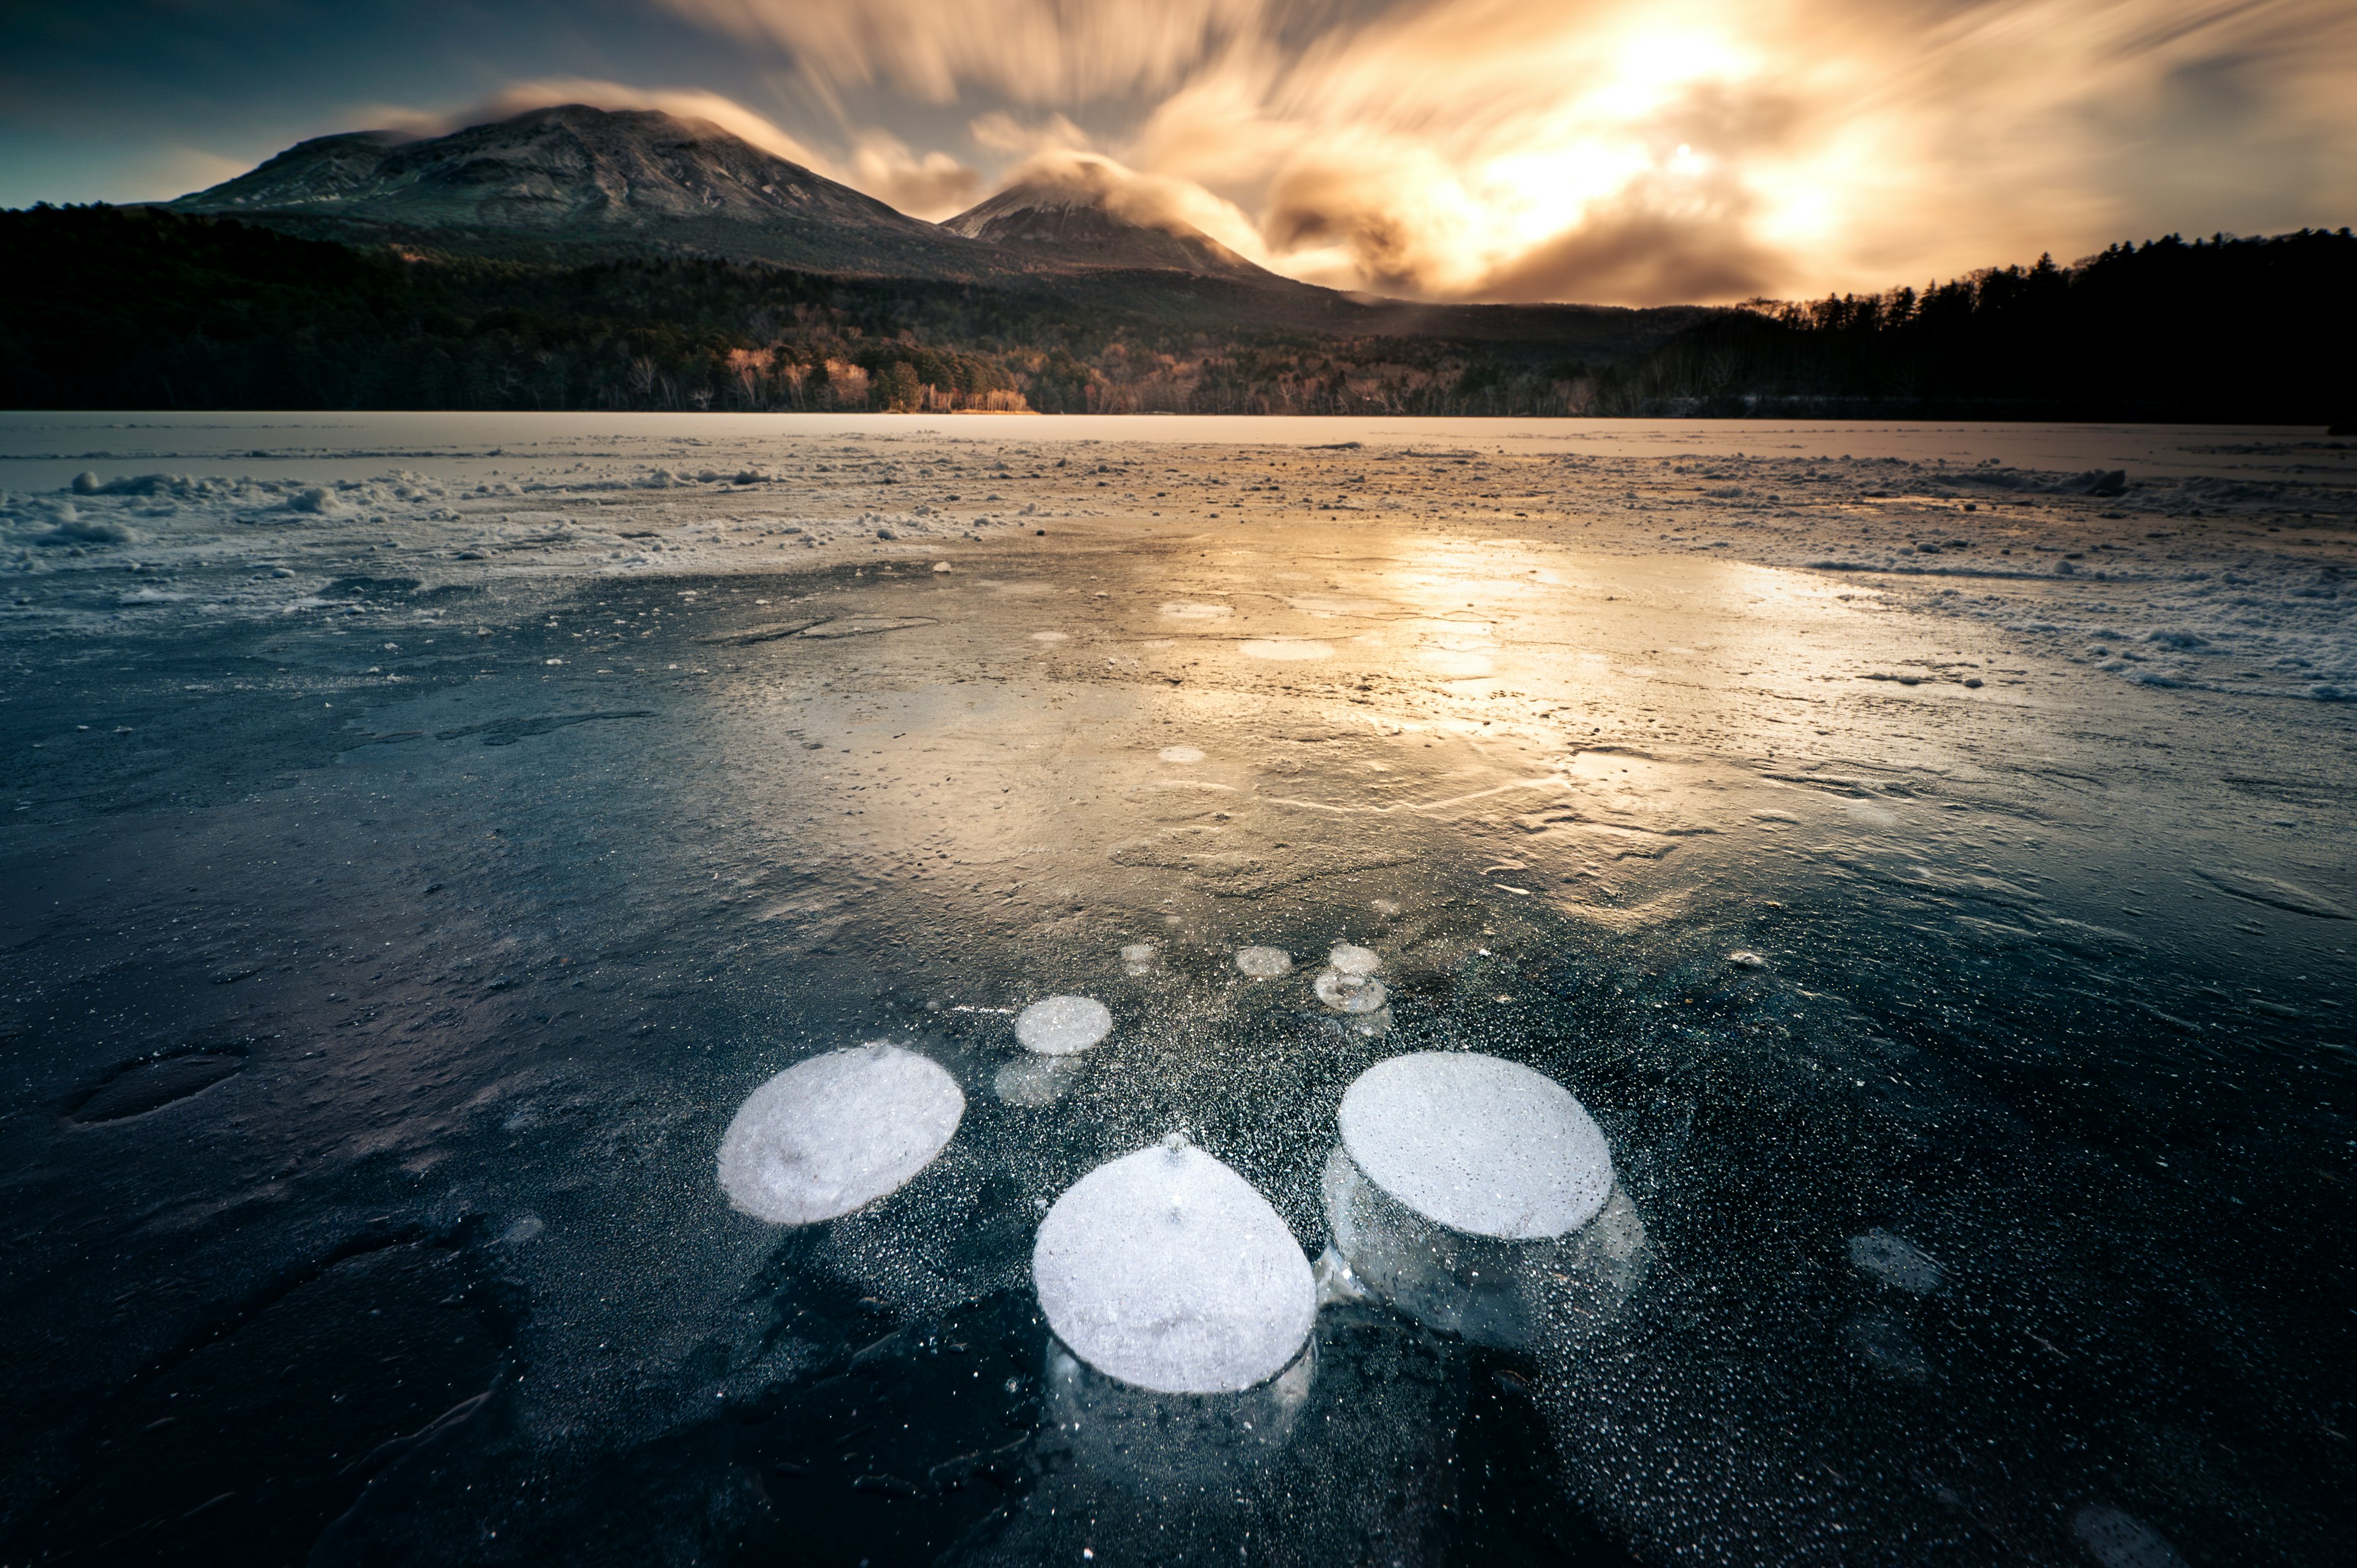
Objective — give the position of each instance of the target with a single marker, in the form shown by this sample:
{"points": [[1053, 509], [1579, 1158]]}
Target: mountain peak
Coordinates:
{"points": [[1093, 212], [571, 171]]}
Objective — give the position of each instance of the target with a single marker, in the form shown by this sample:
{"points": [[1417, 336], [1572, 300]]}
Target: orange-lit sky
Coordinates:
{"points": [[1599, 150]]}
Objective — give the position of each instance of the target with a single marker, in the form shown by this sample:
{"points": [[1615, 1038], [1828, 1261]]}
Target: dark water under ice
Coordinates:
{"points": [[370, 1042]]}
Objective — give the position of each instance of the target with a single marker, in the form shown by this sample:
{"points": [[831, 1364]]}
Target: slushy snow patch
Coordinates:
{"points": [[1478, 1144], [1062, 1026], [836, 1133], [1165, 1268], [1263, 964]]}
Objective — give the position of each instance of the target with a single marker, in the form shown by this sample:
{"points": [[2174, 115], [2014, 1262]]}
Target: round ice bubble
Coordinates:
{"points": [[1349, 960], [1049, 637], [1349, 992], [1181, 753], [1062, 1026], [1478, 1144], [1166, 1270], [1263, 964], [836, 1133], [1138, 957]]}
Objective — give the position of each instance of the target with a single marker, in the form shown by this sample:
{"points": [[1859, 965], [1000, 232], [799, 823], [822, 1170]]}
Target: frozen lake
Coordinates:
{"points": [[1925, 852]]}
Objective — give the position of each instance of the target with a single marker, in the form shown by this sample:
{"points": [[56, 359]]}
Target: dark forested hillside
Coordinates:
{"points": [[145, 308], [2224, 328]]}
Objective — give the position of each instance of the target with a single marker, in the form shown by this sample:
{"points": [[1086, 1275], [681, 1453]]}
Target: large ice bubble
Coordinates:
{"points": [[1478, 1144], [1165, 1268], [1263, 964], [1062, 1026], [836, 1133]]}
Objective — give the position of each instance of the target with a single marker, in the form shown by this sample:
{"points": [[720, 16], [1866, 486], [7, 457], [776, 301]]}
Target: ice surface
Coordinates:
{"points": [[1166, 1270], [1477, 1144], [836, 1133], [1062, 1026], [1035, 1082], [1263, 964], [2118, 1539], [1286, 648], [1895, 1261]]}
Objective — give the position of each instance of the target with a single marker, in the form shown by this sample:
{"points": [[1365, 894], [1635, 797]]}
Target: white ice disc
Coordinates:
{"points": [[1477, 1145], [836, 1133], [1166, 1270], [1062, 1026], [1348, 958], [1263, 964]]}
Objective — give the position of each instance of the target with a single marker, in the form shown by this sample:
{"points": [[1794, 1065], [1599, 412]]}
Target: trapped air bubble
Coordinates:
{"points": [[1181, 1309], [836, 1133], [1478, 1197]]}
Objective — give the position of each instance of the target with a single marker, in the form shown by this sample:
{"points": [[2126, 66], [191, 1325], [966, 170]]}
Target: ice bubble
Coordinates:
{"points": [[1286, 648], [836, 1133], [1478, 1144], [2119, 1540], [1048, 637], [1034, 1082], [1062, 1026], [1353, 960], [1263, 964], [1164, 1269], [1188, 609], [1895, 1261], [1179, 753], [1347, 992], [1138, 957]]}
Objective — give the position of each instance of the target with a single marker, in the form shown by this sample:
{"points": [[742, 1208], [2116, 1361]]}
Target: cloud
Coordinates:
{"points": [[1033, 51], [1621, 151], [1002, 133], [934, 187]]}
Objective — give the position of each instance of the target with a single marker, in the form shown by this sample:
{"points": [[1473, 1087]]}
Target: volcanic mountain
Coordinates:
{"points": [[576, 177], [1085, 217]]}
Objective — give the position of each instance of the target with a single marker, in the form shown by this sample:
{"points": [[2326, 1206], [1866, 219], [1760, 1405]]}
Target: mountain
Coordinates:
{"points": [[576, 178], [1083, 220]]}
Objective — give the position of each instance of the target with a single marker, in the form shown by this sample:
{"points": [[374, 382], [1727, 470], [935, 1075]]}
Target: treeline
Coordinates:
{"points": [[2223, 328], [141, 308], [119, 308]]}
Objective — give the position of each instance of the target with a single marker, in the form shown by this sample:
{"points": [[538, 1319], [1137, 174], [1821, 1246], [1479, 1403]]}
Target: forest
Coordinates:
{"points": [[134, 307]]}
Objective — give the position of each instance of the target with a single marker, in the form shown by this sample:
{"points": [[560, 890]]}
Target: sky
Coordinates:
{"points": [[1634, 152]]}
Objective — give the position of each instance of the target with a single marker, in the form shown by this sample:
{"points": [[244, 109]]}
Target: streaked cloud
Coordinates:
{"points": [[1627, 151]]}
